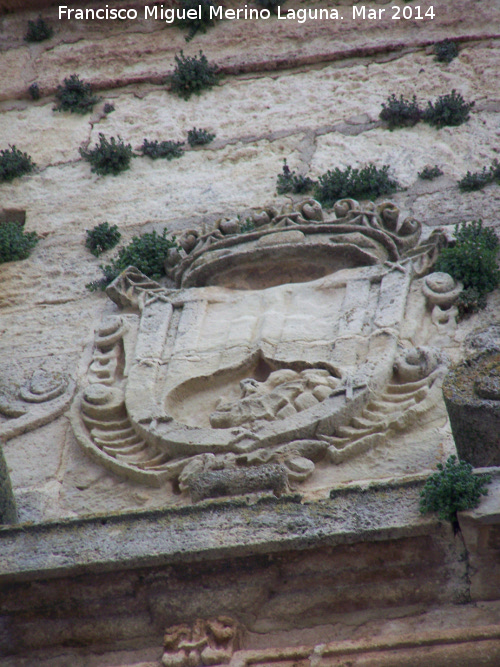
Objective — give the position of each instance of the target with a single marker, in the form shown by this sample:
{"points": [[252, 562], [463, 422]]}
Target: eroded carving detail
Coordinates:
{"points": [[441, 292], [43, 387], [413, 389], [38, 401], [100, 418], [204, 642], [374, 228], [278, 351], [283, 394]]}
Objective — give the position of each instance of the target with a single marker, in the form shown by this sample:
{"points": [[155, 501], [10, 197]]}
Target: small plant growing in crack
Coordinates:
{"points": [[201, 21], [247, 226], [479, 179], [473, 261], [365, 183], [34, 91], [146, 252]]}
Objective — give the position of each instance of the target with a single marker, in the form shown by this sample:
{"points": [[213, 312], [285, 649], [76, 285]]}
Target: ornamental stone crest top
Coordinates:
{"points": [[277, 353]]}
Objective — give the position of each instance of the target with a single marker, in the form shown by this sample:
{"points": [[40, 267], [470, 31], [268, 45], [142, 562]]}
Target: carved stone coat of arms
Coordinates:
{"points": [[276, 348]]}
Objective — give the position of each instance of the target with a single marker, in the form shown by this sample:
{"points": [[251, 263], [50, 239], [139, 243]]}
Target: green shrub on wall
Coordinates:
{"points": [[203, 19], [146, 252], [192, 74], [452, 489], [199, 137], [75, 96], [366, 183], [15, 243], [479, 179], [167, 150], [290, 181], [400, 112], [429, 173], [34, 91], [14, 163], [448, 110], [445, 51], [108, 156], [101, 238], [472, 259], [38, 31]]}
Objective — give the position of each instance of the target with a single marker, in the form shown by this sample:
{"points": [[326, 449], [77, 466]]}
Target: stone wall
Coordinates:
{"points": [[309, 93], [101, 565]]}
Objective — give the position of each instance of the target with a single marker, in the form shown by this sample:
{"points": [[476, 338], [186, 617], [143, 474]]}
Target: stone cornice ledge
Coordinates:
{"points": [[213, 530]]}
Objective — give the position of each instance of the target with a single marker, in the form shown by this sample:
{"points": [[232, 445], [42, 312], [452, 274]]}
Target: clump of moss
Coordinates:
{"points": [[192, 75], [167, 150], [448, 110], [146, 252], [108, 156], [290, 181], [75, 96], [400, 112], [366, 183], [14, 163], [38, 31], [15, 243], [102, 237]]}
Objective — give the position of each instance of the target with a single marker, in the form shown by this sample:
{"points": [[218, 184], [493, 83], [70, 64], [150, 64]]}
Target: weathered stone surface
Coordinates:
{"points": [[361, 578], [480, 528], [472, 395], [320, 560], [316, 117]]}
